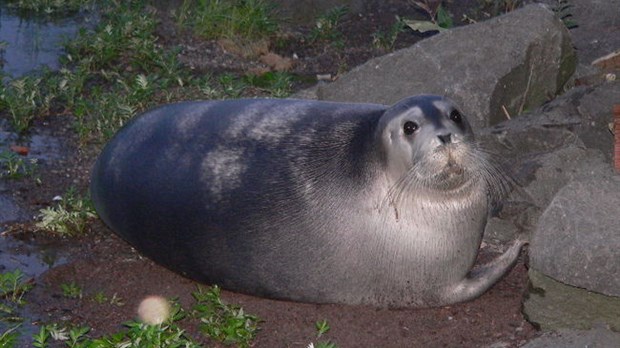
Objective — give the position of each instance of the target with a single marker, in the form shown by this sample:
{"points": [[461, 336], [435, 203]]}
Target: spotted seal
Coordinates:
{"points": [[308, 201]]}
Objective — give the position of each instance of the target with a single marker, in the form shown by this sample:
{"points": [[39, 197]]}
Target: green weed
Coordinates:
{"points": [[8, 339], [276, 84], [385, 40], [24, 100], [322, 327], [327, 26], [136, 334], [71, 290], [72, 337], [13, 286], [236, 20], [223, 322], [14, 166], [231, 86], [49, 6], [101, 298], [69, 217]]}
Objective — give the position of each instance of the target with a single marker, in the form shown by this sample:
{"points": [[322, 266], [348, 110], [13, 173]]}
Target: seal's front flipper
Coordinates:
{"points": [[481, 278]]}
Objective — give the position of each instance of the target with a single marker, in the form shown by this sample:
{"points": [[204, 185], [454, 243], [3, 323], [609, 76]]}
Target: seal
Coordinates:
{"points": [[308, 201]]}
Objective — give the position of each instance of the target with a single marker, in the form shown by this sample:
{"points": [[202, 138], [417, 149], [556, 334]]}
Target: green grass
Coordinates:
{"points": [[71, 290], [327, 27], [385, 40], [69, 217], [277, 84], [49, 6], [118, 69], [223, 322], [322, 328], [14, 166], [13, 287], [8, 339], [24, 99], [219, 321], [238, 20]]}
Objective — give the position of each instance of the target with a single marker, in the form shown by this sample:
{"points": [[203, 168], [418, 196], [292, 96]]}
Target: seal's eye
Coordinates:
{"points": [[455, 116], [410, 127]]}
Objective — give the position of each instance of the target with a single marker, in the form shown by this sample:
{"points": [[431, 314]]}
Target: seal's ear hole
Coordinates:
{"points": [[409, 127], [456, 116]]}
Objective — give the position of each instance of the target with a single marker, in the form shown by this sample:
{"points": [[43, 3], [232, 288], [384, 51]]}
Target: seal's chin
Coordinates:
{"points": [[451, 177], [450, 174]]}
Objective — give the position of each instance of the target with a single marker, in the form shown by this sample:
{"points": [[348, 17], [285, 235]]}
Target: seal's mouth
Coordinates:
{"points": [[451, 173]]}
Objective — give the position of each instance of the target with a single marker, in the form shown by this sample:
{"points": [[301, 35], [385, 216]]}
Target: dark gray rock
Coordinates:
{"points": [[577, 240], [540, 178], [595, 110], [580, 116], [552, 305], [514, 62], [598, 31], [599, 337]]}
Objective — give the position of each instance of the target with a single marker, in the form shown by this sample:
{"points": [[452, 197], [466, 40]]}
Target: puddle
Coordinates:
{"points": [[34, 42], [32, 260]]}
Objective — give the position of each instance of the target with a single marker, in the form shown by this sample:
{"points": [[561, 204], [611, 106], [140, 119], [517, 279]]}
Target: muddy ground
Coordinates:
{"points": [[101, 262]]}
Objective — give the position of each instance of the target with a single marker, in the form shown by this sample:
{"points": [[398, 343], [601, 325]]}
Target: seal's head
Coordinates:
{"points": [[427, 142]]}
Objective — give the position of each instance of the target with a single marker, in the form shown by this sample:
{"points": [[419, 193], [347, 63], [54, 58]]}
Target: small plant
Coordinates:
{"points": [[137, 334], [49, 6], [223, 322], [9, 337], [242, 20], [72, 337], [69, 217], [13, 286], [71, 290], [231, 85], [385, 40], [24, 100], [440, 19], [14, 166], [326, 28], [101, 298], [322, 327], [277, 84]]}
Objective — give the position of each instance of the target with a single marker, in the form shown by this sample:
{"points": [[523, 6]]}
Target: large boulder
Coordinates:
{"points": [[553, 305], [577, 240], [504, 65], [598, 337], [546, 149]]}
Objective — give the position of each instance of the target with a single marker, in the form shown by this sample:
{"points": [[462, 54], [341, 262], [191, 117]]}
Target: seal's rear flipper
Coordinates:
{"points": [[481, 278]]}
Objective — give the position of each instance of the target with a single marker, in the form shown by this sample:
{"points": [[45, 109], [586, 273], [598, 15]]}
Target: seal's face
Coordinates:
{"points": [[427, 142]]}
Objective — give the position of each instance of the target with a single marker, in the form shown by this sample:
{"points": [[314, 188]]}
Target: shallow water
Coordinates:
{"points": [[33, 260], [32, 43]]}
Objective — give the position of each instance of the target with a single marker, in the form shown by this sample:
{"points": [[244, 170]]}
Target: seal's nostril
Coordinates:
{"points": [[445, 138]]}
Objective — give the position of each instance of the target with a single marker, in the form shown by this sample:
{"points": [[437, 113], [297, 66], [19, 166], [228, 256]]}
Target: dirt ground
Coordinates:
{"points": [[100, 261]]}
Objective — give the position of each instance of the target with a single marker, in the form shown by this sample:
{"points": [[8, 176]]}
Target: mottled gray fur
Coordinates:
{"points": [[305, 200]]}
